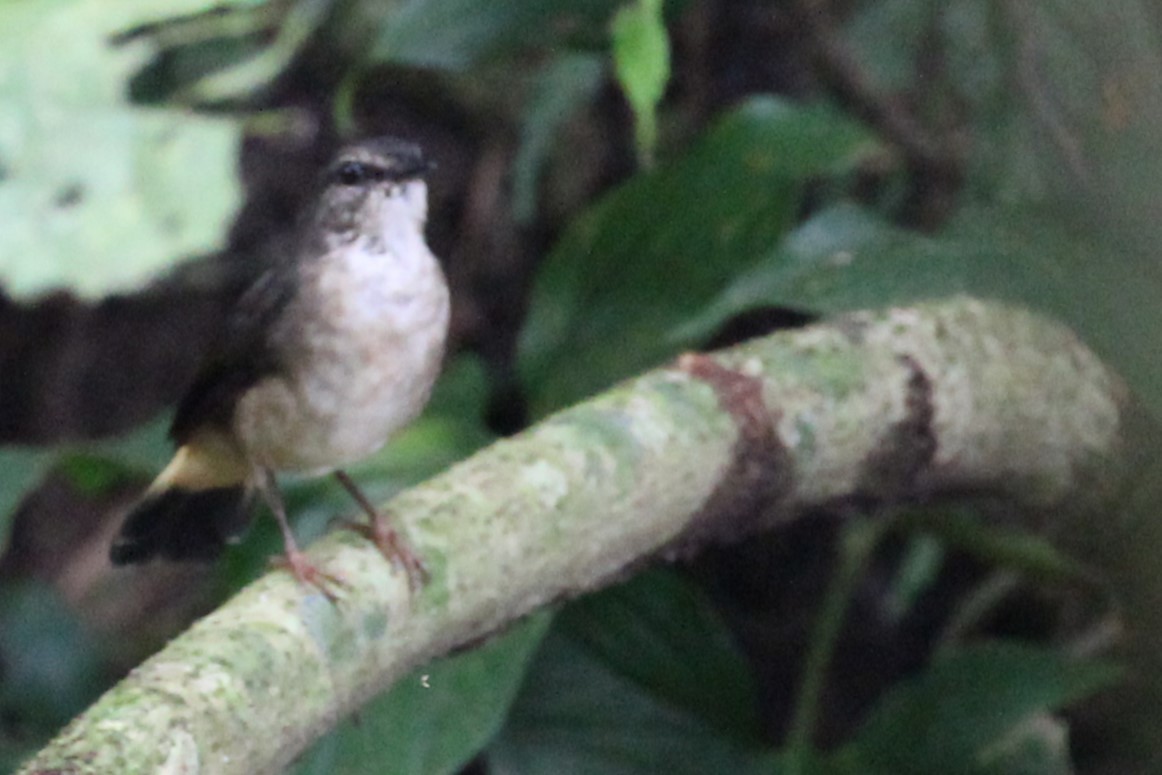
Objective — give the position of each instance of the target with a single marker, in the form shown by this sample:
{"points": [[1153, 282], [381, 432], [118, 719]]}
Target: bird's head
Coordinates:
{"points": [[374, 186]]}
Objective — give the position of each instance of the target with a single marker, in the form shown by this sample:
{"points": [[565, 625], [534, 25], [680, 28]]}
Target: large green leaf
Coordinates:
{"points": [[97, 194], [662, 634], [653, 252], [577, 715], [437, 719], [961, 715], [847, 258]]}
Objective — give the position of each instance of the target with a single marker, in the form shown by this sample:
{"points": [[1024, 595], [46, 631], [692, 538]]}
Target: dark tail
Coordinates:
{"points": [[180, 524]]}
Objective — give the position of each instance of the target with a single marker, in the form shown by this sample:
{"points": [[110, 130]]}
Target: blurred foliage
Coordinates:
{"points": [[99, 194], [1064, 171], [639, 678], [704, 217], [94, 468], [20, 469], [223, 53], [52, 668], [664, 635], [1055, 109], [559, 89], [457, 34], [998, 688]]}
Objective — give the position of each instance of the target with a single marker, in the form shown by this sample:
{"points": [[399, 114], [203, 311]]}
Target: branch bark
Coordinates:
{"points": [[904, 404]]}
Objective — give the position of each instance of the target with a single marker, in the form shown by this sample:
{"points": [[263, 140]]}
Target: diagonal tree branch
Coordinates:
{"points": [[903, 404]]}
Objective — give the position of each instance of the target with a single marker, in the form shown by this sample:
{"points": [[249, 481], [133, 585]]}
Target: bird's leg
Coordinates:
{"points": [[380, 532], [294, 560]]}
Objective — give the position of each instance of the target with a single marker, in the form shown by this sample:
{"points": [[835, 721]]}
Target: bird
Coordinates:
{"points": [[332, 348]]}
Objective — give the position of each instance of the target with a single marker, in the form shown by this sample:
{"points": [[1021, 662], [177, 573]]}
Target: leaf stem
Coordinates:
{"points": [[858, 542]]}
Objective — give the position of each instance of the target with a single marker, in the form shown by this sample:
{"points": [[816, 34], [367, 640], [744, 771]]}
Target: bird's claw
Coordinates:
{"points": [[393, 547], [308, 574]]}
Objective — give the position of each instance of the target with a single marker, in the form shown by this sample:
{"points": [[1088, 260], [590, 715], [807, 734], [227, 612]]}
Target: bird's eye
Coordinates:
{"points": [[352, 173]]}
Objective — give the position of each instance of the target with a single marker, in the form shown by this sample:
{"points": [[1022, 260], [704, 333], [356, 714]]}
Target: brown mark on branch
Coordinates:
{"points": [[908, 446], [759, 473]]}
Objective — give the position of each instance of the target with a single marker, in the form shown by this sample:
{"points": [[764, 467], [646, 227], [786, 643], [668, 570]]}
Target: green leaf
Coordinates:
{"points": [[224, 53], [1064, 105], [1030, 554], [634, 267], [846, 258], [641, 57], [919, 569], [575, 715], [662, 634], [92, 475], [438, 718], [457, 34], [99, 195], [17, 749], [961, 712]]}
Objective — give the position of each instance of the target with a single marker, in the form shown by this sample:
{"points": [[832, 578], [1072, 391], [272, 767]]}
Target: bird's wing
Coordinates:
{"points": [[242, 357]]}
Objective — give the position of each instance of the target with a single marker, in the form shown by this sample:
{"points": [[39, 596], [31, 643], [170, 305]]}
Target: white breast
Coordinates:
{"points": [[364, 349]]}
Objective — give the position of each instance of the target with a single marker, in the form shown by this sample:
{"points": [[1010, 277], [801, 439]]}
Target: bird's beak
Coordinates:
{"points": [[415, 168]]}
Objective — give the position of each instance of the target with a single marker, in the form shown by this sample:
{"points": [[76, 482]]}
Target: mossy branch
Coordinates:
{"points": [[904, 404]]}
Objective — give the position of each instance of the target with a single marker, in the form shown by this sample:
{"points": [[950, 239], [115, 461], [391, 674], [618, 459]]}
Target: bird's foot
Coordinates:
{"points": [[393, 546], [308, 574]]}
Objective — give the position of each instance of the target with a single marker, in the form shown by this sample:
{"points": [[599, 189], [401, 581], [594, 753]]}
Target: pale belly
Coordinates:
{"points": [[356, 375], [319, 424]]}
